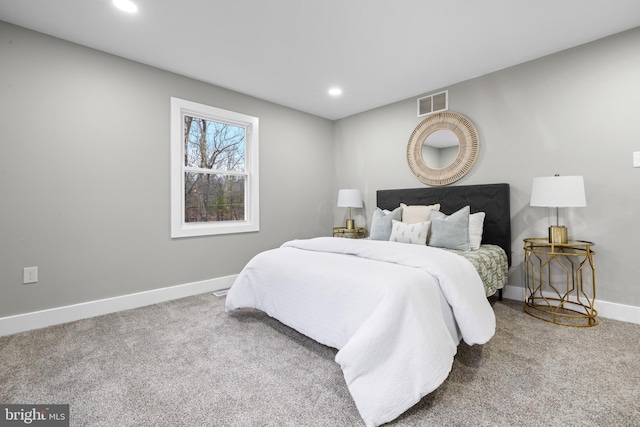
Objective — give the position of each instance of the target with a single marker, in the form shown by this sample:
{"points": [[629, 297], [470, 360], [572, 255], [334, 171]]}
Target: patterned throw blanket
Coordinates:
{"points": [[492, 265]]}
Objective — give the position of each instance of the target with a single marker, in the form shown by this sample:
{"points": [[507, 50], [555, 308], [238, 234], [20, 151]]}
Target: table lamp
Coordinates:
{"points": [[558, 192], [349, 198]]}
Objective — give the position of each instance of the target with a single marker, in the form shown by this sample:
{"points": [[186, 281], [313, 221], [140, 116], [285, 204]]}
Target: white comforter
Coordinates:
{"points": [[388, 308]]}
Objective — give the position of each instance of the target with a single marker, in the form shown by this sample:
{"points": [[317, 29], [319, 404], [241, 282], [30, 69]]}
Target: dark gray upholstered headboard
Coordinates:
{"points": [[493, 199]]}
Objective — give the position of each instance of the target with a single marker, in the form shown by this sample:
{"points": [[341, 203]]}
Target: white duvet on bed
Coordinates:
{"points": [[389, 309]]}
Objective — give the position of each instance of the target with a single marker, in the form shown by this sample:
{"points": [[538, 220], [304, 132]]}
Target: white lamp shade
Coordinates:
{"points": [[349, 198], [558, 192]]}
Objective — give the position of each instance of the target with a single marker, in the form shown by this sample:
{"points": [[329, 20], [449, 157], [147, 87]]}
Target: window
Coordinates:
{"points": [[214, 170]]}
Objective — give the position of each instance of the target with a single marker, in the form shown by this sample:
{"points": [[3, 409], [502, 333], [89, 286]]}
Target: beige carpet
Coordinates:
{"points": [[188, 363]]}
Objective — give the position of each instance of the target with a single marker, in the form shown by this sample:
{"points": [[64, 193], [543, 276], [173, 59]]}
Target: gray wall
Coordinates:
{"points": [[571, 113], [84, 165], [84, 176]]}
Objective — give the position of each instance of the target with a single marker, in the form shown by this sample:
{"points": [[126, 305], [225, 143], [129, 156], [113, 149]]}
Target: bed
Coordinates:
{"points": [[395, 311], [492, 199]]}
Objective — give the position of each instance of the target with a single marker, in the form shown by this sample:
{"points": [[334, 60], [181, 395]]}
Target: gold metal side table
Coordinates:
{"points": [[560, 282], [350, 233]]}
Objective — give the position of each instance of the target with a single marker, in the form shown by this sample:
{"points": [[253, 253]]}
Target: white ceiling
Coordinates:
{"points": [[291, 51]]}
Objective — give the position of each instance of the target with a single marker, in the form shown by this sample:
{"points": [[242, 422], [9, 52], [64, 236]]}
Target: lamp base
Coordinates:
{"points": [[557, 234], [350, 224]]}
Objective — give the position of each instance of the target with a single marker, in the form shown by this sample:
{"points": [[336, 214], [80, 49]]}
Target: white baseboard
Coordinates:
{"points": [[513, 292], [608, 310], [39, 319]]}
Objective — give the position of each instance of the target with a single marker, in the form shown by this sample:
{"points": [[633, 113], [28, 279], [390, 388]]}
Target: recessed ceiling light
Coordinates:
{"points": [[126, 5], [335, 91]]}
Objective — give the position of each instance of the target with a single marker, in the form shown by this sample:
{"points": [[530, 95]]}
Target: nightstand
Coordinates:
{"points": [[560, 282], [350, 233]]}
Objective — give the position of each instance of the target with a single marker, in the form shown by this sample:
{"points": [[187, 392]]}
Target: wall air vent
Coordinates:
{"points": [[433, 103]]}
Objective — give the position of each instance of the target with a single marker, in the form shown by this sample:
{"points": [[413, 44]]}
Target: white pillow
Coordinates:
{"points": [[415, 233], [417, 213], [476, 225]]}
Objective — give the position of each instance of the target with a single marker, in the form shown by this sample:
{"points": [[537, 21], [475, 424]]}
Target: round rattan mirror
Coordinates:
{"points": [[468, 148]]}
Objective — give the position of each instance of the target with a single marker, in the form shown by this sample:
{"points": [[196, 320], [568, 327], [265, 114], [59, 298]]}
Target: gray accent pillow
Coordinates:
{"points": [[450, 231], [381, 224]]}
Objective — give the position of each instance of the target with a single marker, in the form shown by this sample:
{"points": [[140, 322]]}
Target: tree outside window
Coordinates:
{"points": [[218, 170]]}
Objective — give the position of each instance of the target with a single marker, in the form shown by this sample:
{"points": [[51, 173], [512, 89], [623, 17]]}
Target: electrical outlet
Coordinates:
{"points": [[636, 159], [30, 275]]}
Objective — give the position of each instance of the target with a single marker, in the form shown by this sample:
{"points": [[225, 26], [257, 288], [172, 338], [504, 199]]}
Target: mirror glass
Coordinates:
{"points": [[443, 148], [440, 149]]}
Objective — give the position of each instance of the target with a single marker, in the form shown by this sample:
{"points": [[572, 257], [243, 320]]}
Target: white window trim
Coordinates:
{"points": [[180, 228]]}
